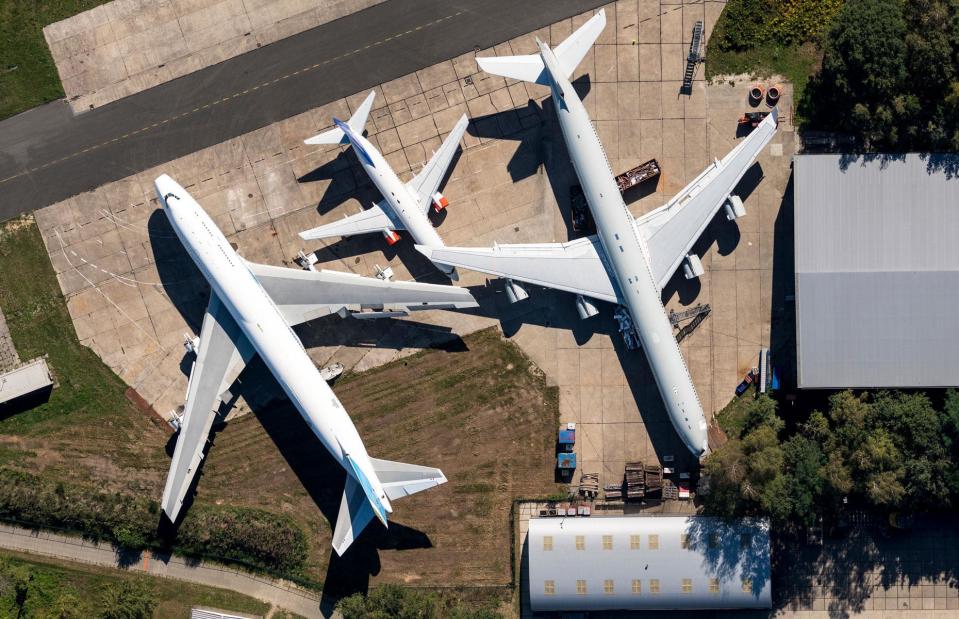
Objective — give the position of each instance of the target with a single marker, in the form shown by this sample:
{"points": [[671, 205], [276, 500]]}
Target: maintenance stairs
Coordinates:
{"points": [[698, 314], [695, 57]]}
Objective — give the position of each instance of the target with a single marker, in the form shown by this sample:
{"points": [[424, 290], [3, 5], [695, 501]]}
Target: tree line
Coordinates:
{"points": [[885, 451]]}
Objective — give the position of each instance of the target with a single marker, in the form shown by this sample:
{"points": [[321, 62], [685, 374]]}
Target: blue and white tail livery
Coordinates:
{"points": [[361, 500], [404, 205]]}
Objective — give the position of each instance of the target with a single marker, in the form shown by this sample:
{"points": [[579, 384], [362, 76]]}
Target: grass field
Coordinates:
{"points": [[28, 76], [484, 416], [797, 63], [480, 410], [54, 583], [88, 411]]}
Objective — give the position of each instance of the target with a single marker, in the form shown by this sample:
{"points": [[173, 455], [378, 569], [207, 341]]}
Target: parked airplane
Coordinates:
{"points": [[628, 261], [404, 205], [252, 309]]}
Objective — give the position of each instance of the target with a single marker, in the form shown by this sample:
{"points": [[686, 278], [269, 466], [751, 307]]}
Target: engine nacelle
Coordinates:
{"points": [[735, 208], [515, 292], [439, 202], [585, 307], [391, 237], [692, 266]]}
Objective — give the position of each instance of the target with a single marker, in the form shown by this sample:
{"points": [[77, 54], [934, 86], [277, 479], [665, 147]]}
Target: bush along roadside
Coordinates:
{"points": [[254, 538]]}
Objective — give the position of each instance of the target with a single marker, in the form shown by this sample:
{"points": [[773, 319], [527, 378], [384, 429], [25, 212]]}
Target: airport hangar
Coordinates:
{"points": [[877, 270], [607, 563]]}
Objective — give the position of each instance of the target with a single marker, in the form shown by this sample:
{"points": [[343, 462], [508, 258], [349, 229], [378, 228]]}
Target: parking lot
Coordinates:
{"points": [[133, 296]]}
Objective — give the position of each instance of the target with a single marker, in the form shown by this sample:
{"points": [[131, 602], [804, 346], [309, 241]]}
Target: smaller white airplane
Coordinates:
{"points": [[252, 310], [404, 205]]}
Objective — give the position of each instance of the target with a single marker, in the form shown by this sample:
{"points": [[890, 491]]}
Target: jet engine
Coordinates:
{"points": [[734, 208], [585, 307], [515, 292], [439, 202], [692, 266], [391, 237]]}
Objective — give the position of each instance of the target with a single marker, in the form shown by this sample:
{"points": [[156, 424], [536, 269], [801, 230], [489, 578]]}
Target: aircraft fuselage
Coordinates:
{"points": [[627, 258], [403, 203], [262, 323]]}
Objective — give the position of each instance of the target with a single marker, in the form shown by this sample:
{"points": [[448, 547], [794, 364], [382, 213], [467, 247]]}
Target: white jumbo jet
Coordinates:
{"points": [[252, 310], [404, 205], [629, 260]]}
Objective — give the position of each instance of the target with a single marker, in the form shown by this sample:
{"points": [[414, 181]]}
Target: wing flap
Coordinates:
{"points": [[575, 267], [425, 184], [305, 295], [672, 230], [373, 219], [223, 353]]}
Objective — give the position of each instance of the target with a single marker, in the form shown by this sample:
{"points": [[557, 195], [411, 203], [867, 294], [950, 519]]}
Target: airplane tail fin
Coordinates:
{"points": [[569, 54], [357, 123], [359, 504]]}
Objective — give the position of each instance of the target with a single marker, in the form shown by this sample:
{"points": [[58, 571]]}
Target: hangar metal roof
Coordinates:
{"points": [[877, 270], [647, 562]]}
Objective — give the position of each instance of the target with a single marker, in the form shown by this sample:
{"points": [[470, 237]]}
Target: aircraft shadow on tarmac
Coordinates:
{"points": [[541, 145]]}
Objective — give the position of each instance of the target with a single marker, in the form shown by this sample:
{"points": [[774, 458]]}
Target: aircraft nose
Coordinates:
{"points": [[166, 187]]}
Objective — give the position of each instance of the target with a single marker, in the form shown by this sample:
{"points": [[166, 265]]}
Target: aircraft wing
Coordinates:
{"points": [[576, 266], [672, 230], [373, 219], [223, 353], [425, 184], [305, 295]]}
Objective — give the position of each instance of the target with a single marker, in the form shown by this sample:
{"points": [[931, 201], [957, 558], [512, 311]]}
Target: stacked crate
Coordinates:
{"points": [[654, 479], [635, 480], [613, 492]]}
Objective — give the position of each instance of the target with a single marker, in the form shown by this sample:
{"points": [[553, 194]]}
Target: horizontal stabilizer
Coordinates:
{"points": [[357, 123], [571, 52], [400, 479], [355, 513], [524, 68], [568, 54]]}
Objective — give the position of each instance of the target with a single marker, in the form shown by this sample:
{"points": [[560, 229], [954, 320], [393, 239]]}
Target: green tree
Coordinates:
{"points": [[746, 474], [860, 88], [396, 602], [804, 461], [129, 599]]}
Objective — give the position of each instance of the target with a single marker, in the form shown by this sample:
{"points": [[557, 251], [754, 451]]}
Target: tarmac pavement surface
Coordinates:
{"points": [[48, 154]]}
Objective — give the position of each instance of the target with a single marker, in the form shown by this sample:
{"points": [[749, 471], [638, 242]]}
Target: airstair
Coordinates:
{"points": [[695, 57]]}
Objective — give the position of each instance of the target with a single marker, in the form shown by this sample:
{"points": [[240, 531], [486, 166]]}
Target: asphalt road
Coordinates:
{"points": [[47, 154]]}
